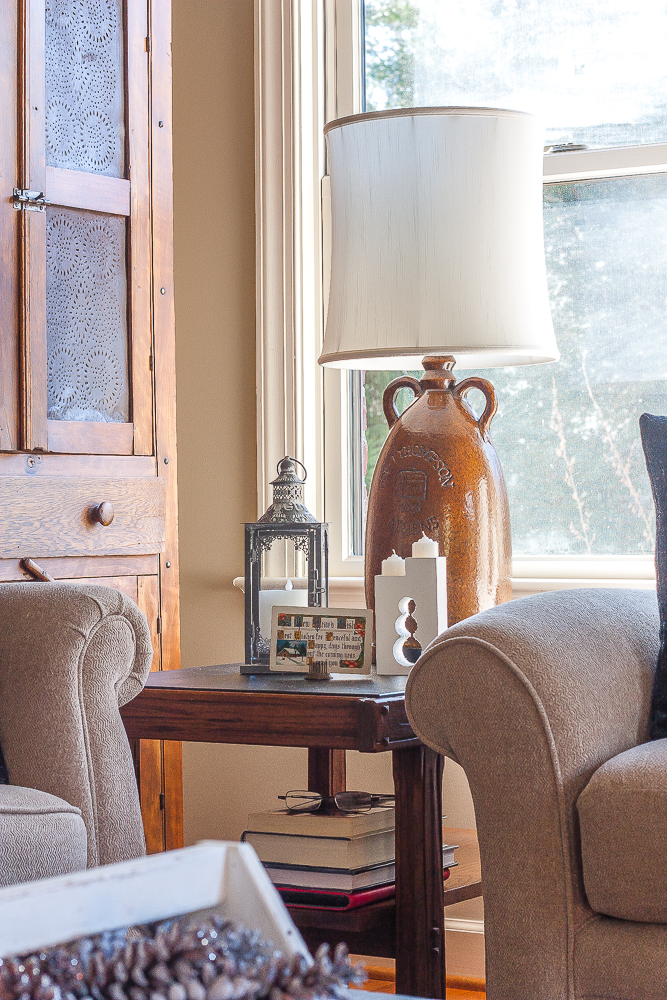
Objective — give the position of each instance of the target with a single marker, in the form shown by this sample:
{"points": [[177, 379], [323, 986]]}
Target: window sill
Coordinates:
{"points": [[522, 586], [348, 591]]}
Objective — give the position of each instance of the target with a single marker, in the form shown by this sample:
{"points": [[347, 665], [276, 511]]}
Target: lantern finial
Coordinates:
{"points": [[288, 506]]}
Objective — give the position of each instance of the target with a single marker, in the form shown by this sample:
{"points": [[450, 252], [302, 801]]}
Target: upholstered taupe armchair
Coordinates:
{"points": [[70, 656], [544, 702]]}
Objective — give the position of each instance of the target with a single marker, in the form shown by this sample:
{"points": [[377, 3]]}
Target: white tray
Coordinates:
{"points": [[227, 878]]}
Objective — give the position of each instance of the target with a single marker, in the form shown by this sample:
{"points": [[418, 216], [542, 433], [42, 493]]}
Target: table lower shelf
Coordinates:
{"points": [[368, 930], [371, 930]]}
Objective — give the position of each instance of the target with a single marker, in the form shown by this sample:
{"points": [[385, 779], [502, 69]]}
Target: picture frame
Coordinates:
{"points": [[338, 640]]}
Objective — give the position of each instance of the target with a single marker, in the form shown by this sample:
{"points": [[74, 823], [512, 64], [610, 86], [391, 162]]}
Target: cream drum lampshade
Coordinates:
{"points": [[437, 242]]}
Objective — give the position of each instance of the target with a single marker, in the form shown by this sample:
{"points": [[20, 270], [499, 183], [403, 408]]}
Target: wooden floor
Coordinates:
{"points": [[382, 980]]}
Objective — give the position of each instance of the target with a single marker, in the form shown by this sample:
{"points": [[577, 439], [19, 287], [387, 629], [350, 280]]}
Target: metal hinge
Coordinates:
{"points": [[148, 43], [161, 800], [151, 362], [31, 201], [159, 626]]}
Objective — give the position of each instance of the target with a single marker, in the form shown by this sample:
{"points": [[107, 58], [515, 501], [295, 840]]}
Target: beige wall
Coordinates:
{"points": [[214, 251], [214, 248], [214, 257]]}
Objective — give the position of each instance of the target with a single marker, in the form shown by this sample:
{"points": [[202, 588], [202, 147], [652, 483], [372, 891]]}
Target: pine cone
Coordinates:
{"points": [[182, 959]]}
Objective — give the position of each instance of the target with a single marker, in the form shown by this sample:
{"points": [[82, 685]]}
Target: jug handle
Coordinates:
{"points": [[488, 392], [389, 395]]}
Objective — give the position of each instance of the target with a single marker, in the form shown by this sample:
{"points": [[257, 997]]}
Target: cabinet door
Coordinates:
{"points": [[87, 343], [87, 440]]}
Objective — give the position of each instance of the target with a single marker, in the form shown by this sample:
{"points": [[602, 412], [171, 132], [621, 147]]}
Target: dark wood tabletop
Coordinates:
{"points": [[219, 705], [227, 677]]}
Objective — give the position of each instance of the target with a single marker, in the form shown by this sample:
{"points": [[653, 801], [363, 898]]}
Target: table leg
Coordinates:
{"points": [[326, 771], [420, 918]]}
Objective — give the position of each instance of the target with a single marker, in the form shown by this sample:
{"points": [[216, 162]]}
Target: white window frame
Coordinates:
{"points": [[308, 72], [289, 160]]}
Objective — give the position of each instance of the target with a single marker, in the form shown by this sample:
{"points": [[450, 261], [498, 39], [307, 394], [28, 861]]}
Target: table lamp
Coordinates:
{"points": [[438, 257]]}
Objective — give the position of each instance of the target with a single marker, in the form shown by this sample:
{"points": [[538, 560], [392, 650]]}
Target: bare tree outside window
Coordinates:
{"points": [[390, 29], [567, 433]]}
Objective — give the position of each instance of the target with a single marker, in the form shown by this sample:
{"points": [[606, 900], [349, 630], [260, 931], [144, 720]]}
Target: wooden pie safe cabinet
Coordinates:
{"points": [[87, 386]]}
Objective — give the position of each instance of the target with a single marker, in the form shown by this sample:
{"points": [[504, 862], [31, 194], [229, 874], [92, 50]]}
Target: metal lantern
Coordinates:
{"points": [[286, 518]]}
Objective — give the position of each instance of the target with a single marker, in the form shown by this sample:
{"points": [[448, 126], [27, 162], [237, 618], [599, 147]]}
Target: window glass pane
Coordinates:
{"points": [[86, 316], [85, 115], [596, 73], [567, 433]]}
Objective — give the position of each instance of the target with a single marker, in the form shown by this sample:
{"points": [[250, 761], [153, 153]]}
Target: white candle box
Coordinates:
{"points": [[425, 582]]}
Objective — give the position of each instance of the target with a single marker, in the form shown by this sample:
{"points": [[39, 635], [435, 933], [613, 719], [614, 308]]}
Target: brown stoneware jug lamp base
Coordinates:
{"points": [[439, 473]]}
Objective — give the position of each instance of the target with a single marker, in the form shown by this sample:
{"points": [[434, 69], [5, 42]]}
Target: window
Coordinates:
{"points": [[601, 83], [567, 433]]}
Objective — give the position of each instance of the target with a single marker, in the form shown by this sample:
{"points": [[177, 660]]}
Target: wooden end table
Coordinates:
{"points": [[219, 705]]}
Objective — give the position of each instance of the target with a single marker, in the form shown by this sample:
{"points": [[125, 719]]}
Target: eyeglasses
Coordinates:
{"points": [[299, 801]]}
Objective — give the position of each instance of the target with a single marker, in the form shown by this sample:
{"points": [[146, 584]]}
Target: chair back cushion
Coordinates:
{"points": [[623, 822], [40, 836]]}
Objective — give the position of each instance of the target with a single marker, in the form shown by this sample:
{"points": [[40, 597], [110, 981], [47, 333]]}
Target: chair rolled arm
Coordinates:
{"points": [[70, 656], [588, 655]]}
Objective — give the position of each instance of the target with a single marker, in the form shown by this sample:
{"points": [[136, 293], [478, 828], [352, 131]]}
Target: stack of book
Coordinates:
{"points": [[338, 861]]}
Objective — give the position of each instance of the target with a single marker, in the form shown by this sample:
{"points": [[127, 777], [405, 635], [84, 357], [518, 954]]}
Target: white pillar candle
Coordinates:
{"points": [[287, 597], [425, 548], [393, 566]]}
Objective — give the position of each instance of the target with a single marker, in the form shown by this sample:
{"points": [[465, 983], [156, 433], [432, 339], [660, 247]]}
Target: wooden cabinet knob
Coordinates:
{"points": [[104, 512]]}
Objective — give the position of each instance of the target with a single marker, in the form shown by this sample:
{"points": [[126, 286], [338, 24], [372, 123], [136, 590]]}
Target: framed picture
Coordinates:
{"points": [[339, 638]]}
